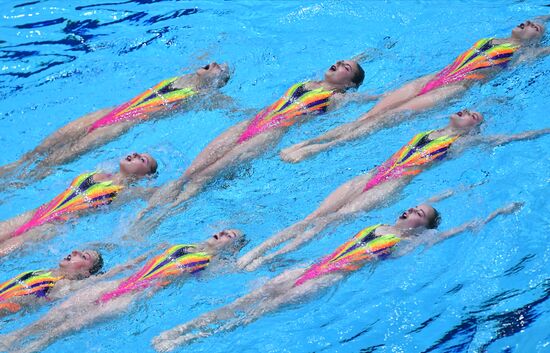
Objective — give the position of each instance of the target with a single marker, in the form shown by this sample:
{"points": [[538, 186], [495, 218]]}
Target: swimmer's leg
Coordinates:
{"points": [[215, 150], [9, 226], [239, 153], [277, 239], [344, 195], [431, 98], [334, 137], [60, 139], [70, 132], [78, 147], [298, 241], [398, 97], [234, 314], [76, 312], [356, 201], [329, 207]]}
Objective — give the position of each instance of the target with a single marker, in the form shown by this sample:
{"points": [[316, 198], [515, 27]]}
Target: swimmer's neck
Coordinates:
{"points": [[67, 275], [205, 247], [190, 80], [327, 86], [511, 40], [401, 231], [119, 178], [448, 130]]}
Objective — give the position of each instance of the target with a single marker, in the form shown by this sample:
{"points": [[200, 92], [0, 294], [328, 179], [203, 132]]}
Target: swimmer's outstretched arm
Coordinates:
{"points": [[478, 223], [499, 140], [532, 54]]}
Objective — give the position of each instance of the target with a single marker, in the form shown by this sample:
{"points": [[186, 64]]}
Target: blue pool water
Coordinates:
{"points": [[480, 291]]}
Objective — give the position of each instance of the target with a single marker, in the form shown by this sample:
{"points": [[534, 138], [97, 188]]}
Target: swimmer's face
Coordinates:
{"points": [[224, 239], [419, 216], [138, 164], [528, 31], [466, 119], [342, 73], [213, 74], [79, 263]]}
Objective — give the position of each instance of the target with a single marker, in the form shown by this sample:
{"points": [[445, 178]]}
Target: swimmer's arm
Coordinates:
{"points": [[500, 140], [219, 100], [532, 54], [478, 223], [544, 18], [368, 55]]}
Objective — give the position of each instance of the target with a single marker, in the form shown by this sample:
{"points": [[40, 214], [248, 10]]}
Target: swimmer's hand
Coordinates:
{"points": [[508, 209]]}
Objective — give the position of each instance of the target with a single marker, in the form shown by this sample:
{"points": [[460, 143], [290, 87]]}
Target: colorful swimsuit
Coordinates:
{"points": [[83, 193], [350, 256], [484, 54], [160, 97], [31, 282], [419, 151], [174, 261], [296, 102]]}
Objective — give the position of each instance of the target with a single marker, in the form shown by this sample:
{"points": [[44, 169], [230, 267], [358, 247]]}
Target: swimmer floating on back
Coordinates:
{"points": [[292, 286], [31, 286], [106, 299], [377, 187], [87, 192], [100, 127], [249, 139], [483, 60]]}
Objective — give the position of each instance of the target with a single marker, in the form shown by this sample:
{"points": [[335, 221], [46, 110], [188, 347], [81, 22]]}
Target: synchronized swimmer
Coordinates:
{"points": [[87, 192], [251, 138], [89, 298], [106, 299], [377, 187], [98, 128], [486, 58], [369, 245], [29, 287]]}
